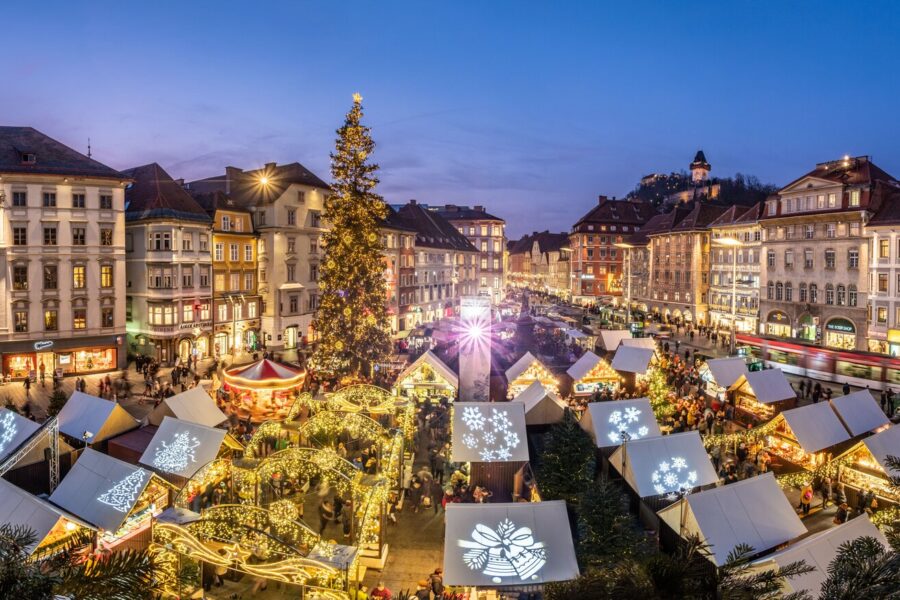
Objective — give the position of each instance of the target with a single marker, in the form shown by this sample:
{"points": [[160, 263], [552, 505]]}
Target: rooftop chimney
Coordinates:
{"points": [[601, 199], [180, 182], [413, 201], [232, 174], [271, 166], [479, 209]]}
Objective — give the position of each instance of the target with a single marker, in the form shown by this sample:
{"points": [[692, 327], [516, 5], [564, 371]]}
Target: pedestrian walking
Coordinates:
{"points": [[846, 388], [806, 496], [437, 582], [326, 515], [826, 491]]}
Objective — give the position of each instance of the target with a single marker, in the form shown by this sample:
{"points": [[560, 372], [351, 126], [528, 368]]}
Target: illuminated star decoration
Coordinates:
{"points": [[622, 423], [506, 551], [491, 436], [122, 495], [673, 476], [174, 457], [8, 430]]}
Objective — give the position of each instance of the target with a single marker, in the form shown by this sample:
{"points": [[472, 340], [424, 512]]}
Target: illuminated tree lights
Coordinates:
{"points": [[123, 494], [352, 313], [503, 552], [175, 457]]}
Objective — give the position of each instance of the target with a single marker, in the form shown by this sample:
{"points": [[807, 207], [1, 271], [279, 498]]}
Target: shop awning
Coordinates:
{"points": [[489, 432], [859, 412], [645, 342], [657, 466], [754, 511], [19, 508], [815, 426], [542, 406], [629, 359], [291, 286], [430, 358], [727, 371], [182, 448], [92, 419], [769, 385], [611, 338], [194, 405], [520, 366], [101, 489], [515, 543], [583, 365], [607, 421], [14, 431], [883, 444], [818, 550]]}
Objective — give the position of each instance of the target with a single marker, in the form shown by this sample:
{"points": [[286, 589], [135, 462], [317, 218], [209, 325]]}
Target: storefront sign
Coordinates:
{"points": [[197, 324], [43, 345], [776, 316], [841, 325]]}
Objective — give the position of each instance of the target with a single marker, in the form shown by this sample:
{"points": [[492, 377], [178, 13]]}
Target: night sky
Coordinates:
{"points": [[530, 108]]}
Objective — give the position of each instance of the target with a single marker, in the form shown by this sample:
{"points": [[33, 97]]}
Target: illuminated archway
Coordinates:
{"points": [[324, 428], [363, 398]]}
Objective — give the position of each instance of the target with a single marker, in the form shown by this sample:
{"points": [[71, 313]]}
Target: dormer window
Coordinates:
{"points": [[29, 158]]}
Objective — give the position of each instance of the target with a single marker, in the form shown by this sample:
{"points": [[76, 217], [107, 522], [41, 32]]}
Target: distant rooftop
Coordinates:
{"points": [[27, 150]]}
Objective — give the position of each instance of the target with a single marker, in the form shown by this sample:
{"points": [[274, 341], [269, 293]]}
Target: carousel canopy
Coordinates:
{"points": [[93, 419], [629, 359], [883, 444], [182, 448], [14, 431], [489, 432], [611, 338], [727, 371], [430, 358], [101, 489], [859, 412], [505, 544], [769, 385], [644, 342], [606, 421], [263, 374], [815, 426], [542, 406], [818, 550], [657, 466], [520, 366], [754, 511], [194, 406], [19, 508]]}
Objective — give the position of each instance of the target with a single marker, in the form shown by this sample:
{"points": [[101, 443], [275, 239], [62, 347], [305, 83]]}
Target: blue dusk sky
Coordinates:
{"points": [[529, 108]]}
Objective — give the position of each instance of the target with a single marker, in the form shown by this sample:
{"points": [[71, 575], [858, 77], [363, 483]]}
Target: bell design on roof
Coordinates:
{"points": [[122, 495], [506, 551]]}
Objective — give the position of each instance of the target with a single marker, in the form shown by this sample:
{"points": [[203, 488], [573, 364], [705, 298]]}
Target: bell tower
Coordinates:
{"points": [[700, 169]]}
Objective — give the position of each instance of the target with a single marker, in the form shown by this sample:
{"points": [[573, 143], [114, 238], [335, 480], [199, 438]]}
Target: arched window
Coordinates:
{"points": [[851, 297], [770, 290], [802, 292], [779, 291], [788, 292], [813, 293], [841, 295], [829, 294]]}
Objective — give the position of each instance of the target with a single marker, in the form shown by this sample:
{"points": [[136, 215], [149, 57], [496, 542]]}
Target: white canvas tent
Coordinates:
{"points": [[769, 386], [506, 544], [859, 412], [725, 372], [92, 419], [663, 465], [182, 448], [605, 421], [611, 338], [194, 405], [18, 507], [542, 406], [629, 359], [644, 342], [431, 359], [583, 365], [101, 490], [14, 431], [818, 550], [489, 432], [883, 444], [815, 426], [754, 511]]}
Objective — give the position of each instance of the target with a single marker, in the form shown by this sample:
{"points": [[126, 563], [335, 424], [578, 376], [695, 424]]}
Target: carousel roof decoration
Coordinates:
{"points": [[264, 374], [438, 368]]}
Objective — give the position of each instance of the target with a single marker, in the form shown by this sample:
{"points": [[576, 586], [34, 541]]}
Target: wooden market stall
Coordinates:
{"points": [[194, 406], [542, 406], [806, 437], [91, 420], [721, 376], [632, 364], [860, 413], [760, 395], [427, 378], [609, 423], [608, 340], [526, 371], [864, 466], [591, 374], [261, 391], [52, 526]]}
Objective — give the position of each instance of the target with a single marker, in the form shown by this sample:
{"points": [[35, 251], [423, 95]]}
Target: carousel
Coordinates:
{"points": [[261, 391]]}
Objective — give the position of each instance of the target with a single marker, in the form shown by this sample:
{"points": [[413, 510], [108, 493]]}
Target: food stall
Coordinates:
{"points": [[760, 395], [90, 420], [427, 378], [526, 371], [542, 407], [609, 423], [591, 374], [721, 376], [865, 466], [860, 413], [52, 526], [194, 406], [261, 391], [805, 437]]}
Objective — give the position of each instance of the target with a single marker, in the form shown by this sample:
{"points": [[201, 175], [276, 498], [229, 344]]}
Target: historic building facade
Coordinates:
{"points": [[541, 262], [734, 269], [883, 305], [488, 234], [399, 243]]}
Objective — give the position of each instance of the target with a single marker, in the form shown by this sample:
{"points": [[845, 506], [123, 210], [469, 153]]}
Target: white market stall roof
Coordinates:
{"points": [[182, 448], [859, 412], [520, 366], [430, 358], [611, 338], [754, 511], [883, 444], [575, 334], [511, 543], [489, 432], [629, 359], [14, 431], [583, 365], [662, 465], [18, 507], [101, 489], [769, 385], [542, 406], [818, 550], [727, 371], [101, 418], [815, 426], [605, 421], [194, 405], [644, 342]]}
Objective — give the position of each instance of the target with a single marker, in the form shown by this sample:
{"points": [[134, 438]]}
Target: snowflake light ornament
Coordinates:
{"points": [[505, 552], [673, 476], [621, 423], [8, 430], [470, 440], [490, 436], [473, 418]]}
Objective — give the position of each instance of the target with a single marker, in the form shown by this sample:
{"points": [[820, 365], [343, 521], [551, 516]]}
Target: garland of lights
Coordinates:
{"points": [[301, 399], [267, 430], [363, 397], [331, 424]]}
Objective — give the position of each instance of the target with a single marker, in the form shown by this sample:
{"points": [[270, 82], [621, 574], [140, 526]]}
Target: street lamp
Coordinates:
{"points": [[734, 244], [627, 247]]}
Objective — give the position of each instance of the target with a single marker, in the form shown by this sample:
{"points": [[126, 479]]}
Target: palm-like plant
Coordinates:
{"points": [[125, 575], [863, 568]]}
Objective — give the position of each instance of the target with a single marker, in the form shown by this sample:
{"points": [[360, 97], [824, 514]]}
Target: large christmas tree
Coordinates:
{"points": [[351, 318]]}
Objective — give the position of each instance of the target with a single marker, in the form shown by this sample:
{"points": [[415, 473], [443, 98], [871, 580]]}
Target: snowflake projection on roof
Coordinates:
{"points": [[8, 430], [505, 552], [673, 476], [490, 434], [122, 495], [174, 457], [622, 423]]}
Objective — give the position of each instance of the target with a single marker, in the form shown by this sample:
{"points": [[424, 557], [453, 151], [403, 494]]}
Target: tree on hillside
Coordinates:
{"points": [[351, 318]]}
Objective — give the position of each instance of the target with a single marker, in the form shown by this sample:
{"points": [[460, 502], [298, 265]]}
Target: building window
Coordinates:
{"points": [[315, 219], [809, 232], [187, 277], [830, 230], [882, 314], [789, 259], [770, 291], [106, 237], [841, 295], [292, 216], [853, 259], [107, 316], [78, 277], [235, 282], [220, 251], [105, 201], [261, 217], [854, 197], [226, 223], [49, 236], [248, 281], [187, 243], [49, 199], [204, 311], [313, 272], [779, 291], [882, 282], [233, 252], [813, 293], [204, 242], [248, 253], [106, 276], [222, 310], [20, 198], [51, 323], [291, 272], [807, 259], [301, 196], [770, 258], [251, 310], [291, 245], [788, 292], [20, 277], [802, 294], [187, 313], [829, 259], [161, 241], [773, 208], [884, 248], [204, 276], [51, 277], [78, 236], [20, 236], [79, 318], [78, 200], [20, 318], [293, 303]]}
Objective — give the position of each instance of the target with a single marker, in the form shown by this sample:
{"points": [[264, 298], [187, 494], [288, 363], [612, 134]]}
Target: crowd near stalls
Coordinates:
{"points": [[805, 437], [722, 376], [864, 467]]}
